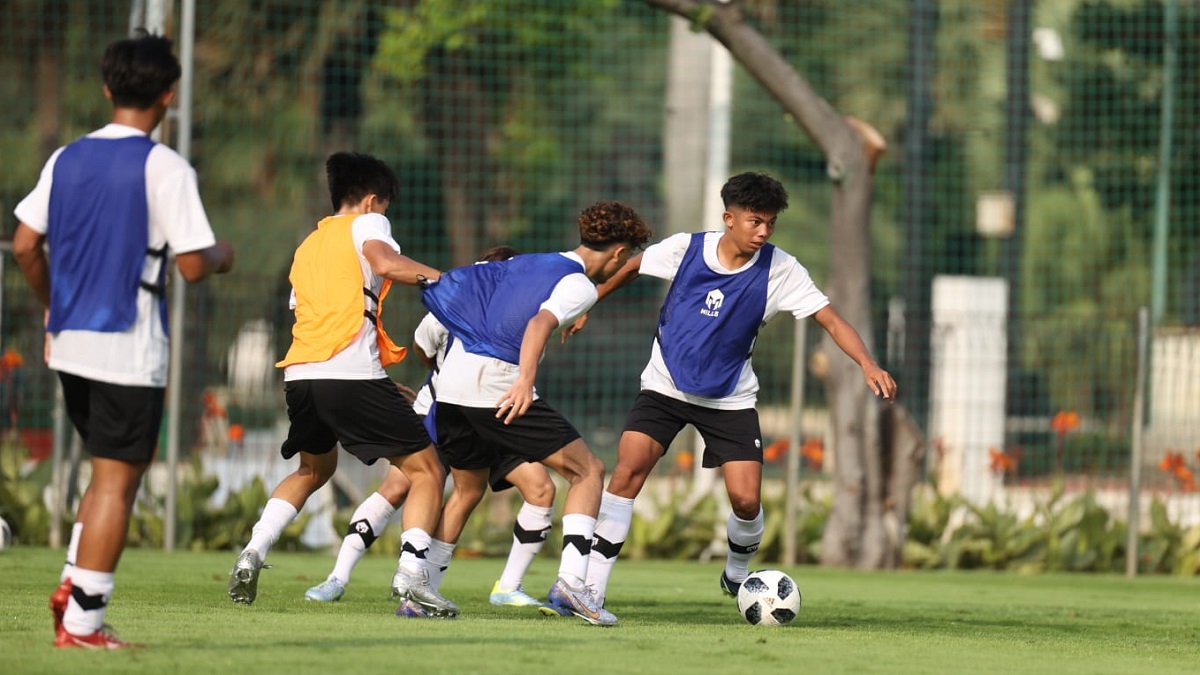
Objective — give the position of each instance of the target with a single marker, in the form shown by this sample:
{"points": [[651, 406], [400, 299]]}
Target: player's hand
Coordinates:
{"points": [[223, 251], [575, 327], [515, 402], [408, 394], [880, 382]]}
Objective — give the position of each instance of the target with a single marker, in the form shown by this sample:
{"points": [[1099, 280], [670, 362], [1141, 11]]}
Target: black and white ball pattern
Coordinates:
{"points": [[769, 598]]}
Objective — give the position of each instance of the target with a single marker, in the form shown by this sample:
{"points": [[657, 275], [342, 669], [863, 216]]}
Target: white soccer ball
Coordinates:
{"points": [[5, 535], [769, 598]]}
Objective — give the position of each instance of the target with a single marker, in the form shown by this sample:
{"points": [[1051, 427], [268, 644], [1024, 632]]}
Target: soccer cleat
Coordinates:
{"points": [[411, 610], [415, 586], [554, 610], [58, 603], [104, 638], [729, 586], [514, 598], [581, 603], [326, 591], [243, 578]]}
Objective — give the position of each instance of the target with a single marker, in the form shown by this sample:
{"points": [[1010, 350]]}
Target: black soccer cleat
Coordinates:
{"points": [[729, 586]]}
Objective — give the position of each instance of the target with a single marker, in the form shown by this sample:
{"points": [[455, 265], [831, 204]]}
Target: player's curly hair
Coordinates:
{"points": [[610, 222], [756, 192]]}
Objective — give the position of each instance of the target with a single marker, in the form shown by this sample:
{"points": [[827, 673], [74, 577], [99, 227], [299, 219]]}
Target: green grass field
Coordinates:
{"points": [[673, 620]]}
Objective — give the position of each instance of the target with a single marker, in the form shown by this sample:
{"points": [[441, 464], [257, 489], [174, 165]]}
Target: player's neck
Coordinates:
{"points": [[143, 120], [593, 261], [729, 255]]}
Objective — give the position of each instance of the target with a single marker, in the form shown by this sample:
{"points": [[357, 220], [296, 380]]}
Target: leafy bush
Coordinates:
{"points": [[201, 525]]}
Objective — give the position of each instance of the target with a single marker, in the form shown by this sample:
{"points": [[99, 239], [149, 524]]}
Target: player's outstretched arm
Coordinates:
{"points": [[516, 401], [626, 274], [850, 342], [198, 265], [31, 258], [400, 268]]}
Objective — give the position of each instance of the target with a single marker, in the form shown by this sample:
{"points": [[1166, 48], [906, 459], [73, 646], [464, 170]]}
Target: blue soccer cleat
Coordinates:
{"points": [[329, 590], [514, 598], [580, 602]]}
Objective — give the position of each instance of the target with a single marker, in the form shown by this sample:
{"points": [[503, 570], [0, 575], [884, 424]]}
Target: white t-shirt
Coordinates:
{"points": [[360, 359], [138, 355], [789, 289], [430, 337], [477, 381]]}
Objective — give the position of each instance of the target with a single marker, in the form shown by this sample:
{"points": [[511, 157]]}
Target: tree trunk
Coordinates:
{"points": [[855, 534], [49, 75], [457, 121]]}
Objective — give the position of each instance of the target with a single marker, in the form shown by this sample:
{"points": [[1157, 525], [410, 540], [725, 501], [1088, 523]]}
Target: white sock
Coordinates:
{"points": [[578, 530], [368, 522], [612, 528], [744, 538], [437, 560], [72, 551], [529, 535], [90, 591], [414, 548], [276, 515]]}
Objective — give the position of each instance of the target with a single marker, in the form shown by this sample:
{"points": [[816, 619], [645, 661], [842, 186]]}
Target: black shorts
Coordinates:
{"points": [[496, 473], [368, 417], [472, 438], [116, 421], [729, 435]]}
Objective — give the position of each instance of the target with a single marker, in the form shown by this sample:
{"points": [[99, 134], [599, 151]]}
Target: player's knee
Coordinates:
{"points": [[627, 480], [540, 493], [316, 476], [394, 490], [745, 507]]}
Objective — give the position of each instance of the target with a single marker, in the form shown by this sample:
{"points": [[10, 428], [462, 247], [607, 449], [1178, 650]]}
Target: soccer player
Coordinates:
{"points": [[111, 205], [371, 517], [724, 287], [501, 314], [334, 382]]}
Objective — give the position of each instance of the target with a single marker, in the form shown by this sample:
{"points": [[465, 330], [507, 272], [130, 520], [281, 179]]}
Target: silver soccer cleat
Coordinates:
{"points": [[243, 578], [415, 586]]}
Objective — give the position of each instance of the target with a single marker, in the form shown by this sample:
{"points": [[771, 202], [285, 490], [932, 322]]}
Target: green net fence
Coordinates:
{"points": [[1049, 146]]}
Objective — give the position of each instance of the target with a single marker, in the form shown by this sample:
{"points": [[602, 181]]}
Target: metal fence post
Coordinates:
{"points": [[1135, 459]]}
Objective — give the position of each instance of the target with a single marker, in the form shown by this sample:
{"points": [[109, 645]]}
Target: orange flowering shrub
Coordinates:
{"points": [[1174, 465], [813, 451]]}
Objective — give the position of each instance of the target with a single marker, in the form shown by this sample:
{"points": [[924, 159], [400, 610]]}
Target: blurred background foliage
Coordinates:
{"points": [[504, 117]]}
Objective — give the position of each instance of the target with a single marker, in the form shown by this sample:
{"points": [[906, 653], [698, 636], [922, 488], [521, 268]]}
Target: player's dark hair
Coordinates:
{"points": [[352, 176], [607, 222], [139, 70], [496, 253], [756, 192]]}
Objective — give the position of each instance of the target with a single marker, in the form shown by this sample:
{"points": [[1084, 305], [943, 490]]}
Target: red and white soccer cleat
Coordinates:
{"points": [[104, 638], [58, 603]]}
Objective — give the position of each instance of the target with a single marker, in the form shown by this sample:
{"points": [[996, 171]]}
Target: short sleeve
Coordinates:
{"points": [[572, 296], [430, 336], [662, 260], [173, 198], [797, 292], [34, 209], [373, 226]]}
